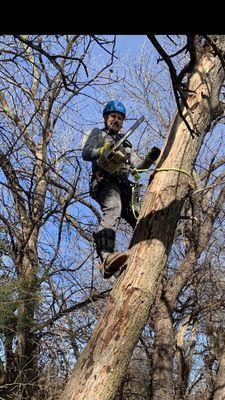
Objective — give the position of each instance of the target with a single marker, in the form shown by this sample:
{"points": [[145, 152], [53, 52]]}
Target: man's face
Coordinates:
{"points": [[114, 121]]}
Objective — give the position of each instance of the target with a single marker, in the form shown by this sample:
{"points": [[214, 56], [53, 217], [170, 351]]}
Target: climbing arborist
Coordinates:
{"points": [[112, 190]]}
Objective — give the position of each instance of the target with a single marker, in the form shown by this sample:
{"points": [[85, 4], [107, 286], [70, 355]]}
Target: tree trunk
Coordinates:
{"points": [[219, 393], [102, 365], [163, 353], [27, 343], [182, 363]]}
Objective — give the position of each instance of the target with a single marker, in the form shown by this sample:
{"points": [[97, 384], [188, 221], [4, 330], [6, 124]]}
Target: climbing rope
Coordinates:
{"points": [[175, 169]]}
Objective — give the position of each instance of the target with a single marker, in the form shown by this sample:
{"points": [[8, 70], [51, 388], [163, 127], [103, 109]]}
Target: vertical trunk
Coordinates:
{"points": [[209, 378], [163, 353], [28, 267], [219, 393], [182, 363], [27, 344], [11, 369]]}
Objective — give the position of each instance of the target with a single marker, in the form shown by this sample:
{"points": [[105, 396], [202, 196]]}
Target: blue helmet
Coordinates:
{"points": [[115, 105]]}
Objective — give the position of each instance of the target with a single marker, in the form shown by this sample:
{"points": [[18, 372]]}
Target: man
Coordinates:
{"points": [[113, 191]]}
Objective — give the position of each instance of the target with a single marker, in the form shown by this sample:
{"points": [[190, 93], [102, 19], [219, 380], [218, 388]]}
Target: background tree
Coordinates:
{"points": [[40, 187]]}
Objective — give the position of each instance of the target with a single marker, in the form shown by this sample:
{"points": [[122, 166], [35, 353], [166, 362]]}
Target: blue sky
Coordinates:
{"points": [[127, 46], [130, 43]]}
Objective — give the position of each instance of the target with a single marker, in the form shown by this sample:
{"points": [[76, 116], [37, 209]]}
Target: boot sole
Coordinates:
{"points": [[115, 265]]}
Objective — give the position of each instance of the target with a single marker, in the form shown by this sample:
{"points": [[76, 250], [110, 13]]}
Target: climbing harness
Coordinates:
{"points": [[136, 193]]}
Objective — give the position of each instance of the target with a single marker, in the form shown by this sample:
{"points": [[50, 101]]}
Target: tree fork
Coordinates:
{"points": [[102, 365]]}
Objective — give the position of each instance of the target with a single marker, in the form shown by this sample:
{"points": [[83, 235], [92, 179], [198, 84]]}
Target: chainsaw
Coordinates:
{"points": [[114, 158]]}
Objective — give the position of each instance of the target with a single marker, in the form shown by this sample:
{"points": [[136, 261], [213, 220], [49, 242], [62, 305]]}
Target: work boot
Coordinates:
{"points": [[112, 263]]}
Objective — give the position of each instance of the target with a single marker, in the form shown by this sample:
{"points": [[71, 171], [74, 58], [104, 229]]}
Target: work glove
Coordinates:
{"points": [[106, 146], [153, 154]]}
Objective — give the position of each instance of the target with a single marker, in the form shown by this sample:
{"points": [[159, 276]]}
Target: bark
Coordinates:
{"points": [[102, 365], [163, 353], [209, 377], [184, 362], [27, 343], [219, 393]]}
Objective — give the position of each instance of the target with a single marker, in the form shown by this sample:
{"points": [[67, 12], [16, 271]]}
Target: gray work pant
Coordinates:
{"points": [[110, 201], [115, 201]]}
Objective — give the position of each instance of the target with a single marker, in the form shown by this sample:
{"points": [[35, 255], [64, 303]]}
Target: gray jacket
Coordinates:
{"points": [[95, 138]]}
